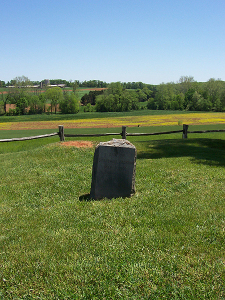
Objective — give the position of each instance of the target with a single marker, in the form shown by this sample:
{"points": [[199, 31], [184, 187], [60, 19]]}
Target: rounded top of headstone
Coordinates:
{"points": [[117, 143]]}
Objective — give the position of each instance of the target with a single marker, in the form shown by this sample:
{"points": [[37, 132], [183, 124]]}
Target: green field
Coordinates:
{"points": [[166, 242], [88, 115]]}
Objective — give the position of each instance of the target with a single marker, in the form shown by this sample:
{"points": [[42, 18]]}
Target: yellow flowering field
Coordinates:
{"points": [[150, 120]]}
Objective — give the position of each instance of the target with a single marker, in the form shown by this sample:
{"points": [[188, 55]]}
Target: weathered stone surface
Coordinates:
{"points": [[113, 172]]}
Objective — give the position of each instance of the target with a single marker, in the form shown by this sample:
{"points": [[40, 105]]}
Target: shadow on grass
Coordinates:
{"points": [[205, 151], [85, 198]]}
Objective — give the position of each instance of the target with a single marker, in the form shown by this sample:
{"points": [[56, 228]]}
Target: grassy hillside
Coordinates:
{"points": [[166, 242]]}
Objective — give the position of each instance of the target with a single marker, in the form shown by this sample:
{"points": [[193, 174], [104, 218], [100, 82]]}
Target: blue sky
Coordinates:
{"points": [[113, 40]]}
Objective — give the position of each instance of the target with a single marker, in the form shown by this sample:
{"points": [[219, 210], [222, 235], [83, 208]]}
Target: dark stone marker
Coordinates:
{"points": [[113, 173]]}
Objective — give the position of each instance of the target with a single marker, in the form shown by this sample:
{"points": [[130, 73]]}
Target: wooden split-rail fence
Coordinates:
{"points": [[124, 134]]}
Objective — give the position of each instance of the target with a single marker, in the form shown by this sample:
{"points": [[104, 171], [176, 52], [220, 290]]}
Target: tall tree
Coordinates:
{"points": [[185, 83], [114, 88], [69, 104], [214, 89], [2, 83], [18, 94], [115, 98], [75, 86], [54, 95]]}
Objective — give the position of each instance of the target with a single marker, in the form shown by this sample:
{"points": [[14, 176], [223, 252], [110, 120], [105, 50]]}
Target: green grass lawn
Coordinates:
{"points": [[166, 242]]}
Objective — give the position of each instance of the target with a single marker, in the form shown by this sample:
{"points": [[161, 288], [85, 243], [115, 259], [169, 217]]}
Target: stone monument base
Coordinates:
{"points": [[113, 172]]}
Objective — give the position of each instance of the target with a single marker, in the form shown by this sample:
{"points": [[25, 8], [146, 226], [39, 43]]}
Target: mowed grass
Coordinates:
{"points": [[166, 242], [9, 147]]}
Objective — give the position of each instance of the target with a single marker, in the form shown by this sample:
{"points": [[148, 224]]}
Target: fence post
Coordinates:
{"points": [[61, 133], [185, 129], [124, 132]]}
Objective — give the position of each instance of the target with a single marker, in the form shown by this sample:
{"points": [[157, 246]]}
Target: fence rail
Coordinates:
{"points": [[154, 133], [123, 134], [206, 131], [84, 135], [30, 137]]}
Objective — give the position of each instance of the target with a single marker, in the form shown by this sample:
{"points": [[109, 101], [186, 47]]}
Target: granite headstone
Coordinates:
{"points": [[113, 172]]}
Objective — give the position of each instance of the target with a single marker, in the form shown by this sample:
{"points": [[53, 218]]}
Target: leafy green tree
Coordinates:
{"points": [[199, 103], [34, 102], [22, 104], [42, 101], [4, 101], [69, 104], [117, 99], [20, 94], [214, 89], [165, 95], [54, 95], [129, 101], [75, 86], [2, 104], [204, 104], [106, 103], [114, 88], [20, 98], [148, 92], [222, 100], [90, 97], [93, 83], [217, 106], [188, 104], [22, 82], [186, 83], [2, 83], [133, 85], [174, 104], [142, 97], [151, 104], [180, 100], [88, 108]]}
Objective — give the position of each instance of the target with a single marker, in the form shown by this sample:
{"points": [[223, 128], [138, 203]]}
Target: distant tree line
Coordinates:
{"points": [[27, 102], [84, 84], [186, 94], [68, 83], [189, 94]]}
